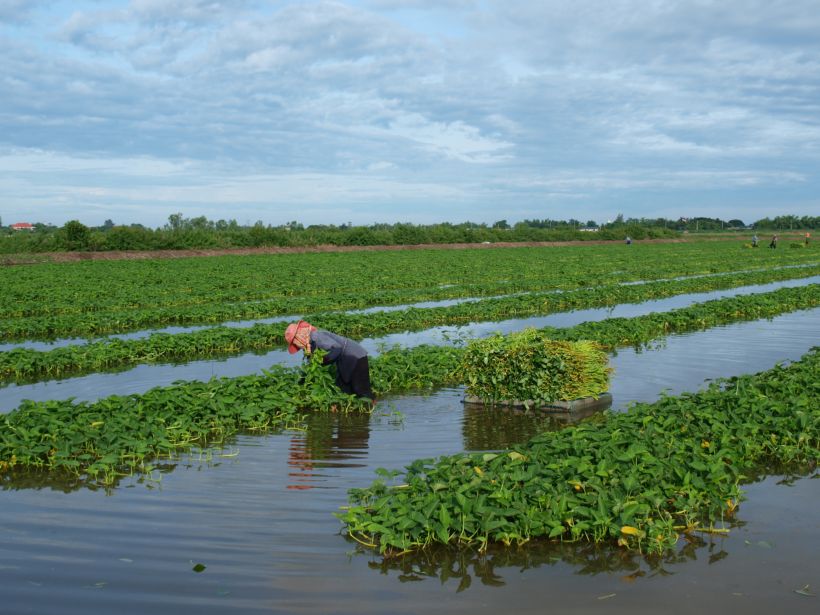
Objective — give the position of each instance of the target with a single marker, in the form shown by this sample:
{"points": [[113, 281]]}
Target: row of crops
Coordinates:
{"points": [[121, 434], [601, 489], [639, 478], [26, 365], [98, 298]]}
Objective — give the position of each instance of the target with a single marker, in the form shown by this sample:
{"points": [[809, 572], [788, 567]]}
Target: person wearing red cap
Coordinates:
{"points": [[352, 368]]}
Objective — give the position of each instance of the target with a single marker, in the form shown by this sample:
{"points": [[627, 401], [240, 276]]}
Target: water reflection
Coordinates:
{"points": [[491, 428], [330, 440], [461, 568], [56, 480]]}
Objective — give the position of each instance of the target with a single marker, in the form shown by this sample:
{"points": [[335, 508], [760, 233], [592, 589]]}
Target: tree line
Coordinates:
{"points": [[201, 233]]}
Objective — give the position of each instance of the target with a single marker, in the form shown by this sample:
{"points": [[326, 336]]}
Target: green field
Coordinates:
{"points": [[646, 505]]}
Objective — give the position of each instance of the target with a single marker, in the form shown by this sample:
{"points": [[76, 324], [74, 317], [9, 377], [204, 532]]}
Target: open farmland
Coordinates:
{"points": [[227, 482]]}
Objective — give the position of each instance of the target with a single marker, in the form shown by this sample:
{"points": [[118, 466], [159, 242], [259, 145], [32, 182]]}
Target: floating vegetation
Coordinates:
{"points": [[122, 435], [641, 331], [636, 479]]}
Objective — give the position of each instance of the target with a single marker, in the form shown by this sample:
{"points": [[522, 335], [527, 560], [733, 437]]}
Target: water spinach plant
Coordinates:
{"points": [[530, 368], [26, 365], [110, 286], [637, 479], [103, 440], [97, 298], [122, 433]]}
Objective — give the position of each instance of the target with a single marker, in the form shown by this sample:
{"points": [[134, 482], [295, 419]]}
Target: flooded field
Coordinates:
{"points": [[144, 377], [250, 528], [556, 320]]}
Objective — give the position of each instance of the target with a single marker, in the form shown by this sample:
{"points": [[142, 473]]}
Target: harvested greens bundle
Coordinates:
{"points": [[530, 368]]}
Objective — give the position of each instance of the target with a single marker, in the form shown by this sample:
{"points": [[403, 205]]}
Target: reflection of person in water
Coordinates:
{"points": [[330, 439]]}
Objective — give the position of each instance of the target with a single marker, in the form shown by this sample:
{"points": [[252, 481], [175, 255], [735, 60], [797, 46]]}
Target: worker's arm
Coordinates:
{"points": [[329, 343]]}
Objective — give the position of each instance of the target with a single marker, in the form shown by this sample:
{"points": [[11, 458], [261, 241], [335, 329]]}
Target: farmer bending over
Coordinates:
{"points": [[352, 369]]}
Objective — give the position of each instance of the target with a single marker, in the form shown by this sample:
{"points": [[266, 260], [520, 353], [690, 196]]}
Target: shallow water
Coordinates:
{"points": [[569, 319], [261, 525], [261, 522]]}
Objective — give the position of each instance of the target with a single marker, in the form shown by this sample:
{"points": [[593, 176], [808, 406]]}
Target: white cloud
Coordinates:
{"points": [[453, 140], [646, 137], [457, 100], [194, 11]]}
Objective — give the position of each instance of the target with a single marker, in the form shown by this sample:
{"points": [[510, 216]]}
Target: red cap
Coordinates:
{"points": [[292, 331]]}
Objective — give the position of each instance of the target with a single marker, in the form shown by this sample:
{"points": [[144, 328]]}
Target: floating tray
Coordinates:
{"points": [[583, 405]]}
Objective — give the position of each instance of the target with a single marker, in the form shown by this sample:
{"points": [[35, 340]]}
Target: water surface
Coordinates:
{"points": [[260, 520]]}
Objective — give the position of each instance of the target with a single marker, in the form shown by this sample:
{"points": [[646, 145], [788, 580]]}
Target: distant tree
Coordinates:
{"points": [[77, 234], [408, 234], [107, 225], [735, 223], [175, 221], [502, 224], [200, 223], [133, 237], [786, 222]]}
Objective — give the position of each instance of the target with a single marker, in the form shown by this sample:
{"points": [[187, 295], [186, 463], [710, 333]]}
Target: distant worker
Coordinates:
{"points": [[773, 242], [754, 241], [628, 240], [807, 237], [352, 368]]}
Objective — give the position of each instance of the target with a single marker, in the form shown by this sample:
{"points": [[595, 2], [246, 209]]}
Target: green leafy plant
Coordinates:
{"points": [[635, 479], [97, 298], [528, 367], [22, 364]]}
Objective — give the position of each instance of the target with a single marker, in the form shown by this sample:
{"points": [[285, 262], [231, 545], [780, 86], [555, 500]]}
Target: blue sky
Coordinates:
{"points": [[408, 111]]}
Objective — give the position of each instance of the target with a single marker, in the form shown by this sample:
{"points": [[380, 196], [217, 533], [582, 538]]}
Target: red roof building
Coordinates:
{"points": [[22, 226]]}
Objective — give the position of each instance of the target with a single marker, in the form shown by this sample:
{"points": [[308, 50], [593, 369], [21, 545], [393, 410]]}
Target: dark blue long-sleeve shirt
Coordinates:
{"points": [[342, 351]]}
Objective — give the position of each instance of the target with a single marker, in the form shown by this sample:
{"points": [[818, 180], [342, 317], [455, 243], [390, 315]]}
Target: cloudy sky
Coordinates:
{"points": [[417, 111]]}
